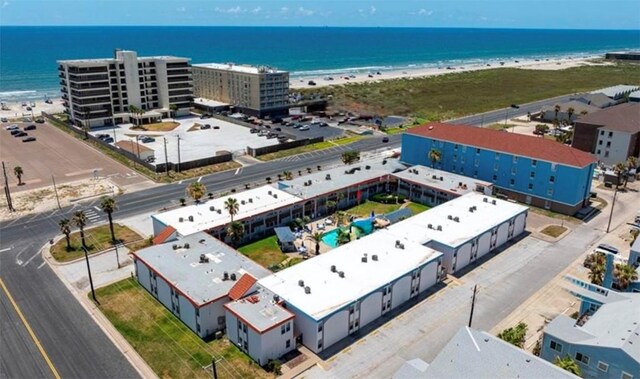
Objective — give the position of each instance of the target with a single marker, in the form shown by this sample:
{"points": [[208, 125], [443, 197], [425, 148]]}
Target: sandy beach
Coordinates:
{"points": [[16, 110], [541, 64]]}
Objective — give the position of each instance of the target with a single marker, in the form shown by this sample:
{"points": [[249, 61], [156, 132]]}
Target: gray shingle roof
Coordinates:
{"points": [[623, 118]]}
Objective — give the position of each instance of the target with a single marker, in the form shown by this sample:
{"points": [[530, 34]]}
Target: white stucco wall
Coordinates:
{"points": [[370, 308], [401, 291], [336, 327], [428, 276]]}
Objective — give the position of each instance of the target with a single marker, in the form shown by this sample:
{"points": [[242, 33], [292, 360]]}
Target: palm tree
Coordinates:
{"points": [[568, 364], [557, 109], [435, 156], [232, 206], [174, 109], [108, 206], [620, 169], [80, 220], [18, 171], [196, 191], [348, 157], [632, 162], [288, 175], [570, 112], [624, 274], [235, 231], [316, 237], [596, 270], [65, 228], [343, 236]]}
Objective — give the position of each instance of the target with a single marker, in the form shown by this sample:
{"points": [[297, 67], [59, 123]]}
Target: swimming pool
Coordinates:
{"points": [[331, 238]]}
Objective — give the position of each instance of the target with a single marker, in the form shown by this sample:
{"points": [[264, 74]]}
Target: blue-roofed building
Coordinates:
{"points": [[604, 340], [527, 169]]}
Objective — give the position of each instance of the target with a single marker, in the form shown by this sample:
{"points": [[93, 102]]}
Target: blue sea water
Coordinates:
{"points": [[28, 54]]}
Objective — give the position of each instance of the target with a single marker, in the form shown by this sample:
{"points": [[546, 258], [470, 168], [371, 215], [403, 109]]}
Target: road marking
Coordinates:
{"points": [[76, 173], [237, 171], [6, 249], [31, 333], [199, 179], [97, 209], [180, 182], [30, 259], [42, 264]]}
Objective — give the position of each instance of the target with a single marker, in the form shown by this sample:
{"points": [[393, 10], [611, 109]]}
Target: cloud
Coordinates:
{"points": [[5, 4], [284, 10], [372, 10], [232, 10], [422, 12], [306, 12], [181, 9], [256, 10]]}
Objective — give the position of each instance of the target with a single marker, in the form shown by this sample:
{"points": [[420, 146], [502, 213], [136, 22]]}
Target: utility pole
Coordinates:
{"points": [[213, 368], [613, 204], [7, 191], [166, 160], [93, 292], [115, 139], [117, 256], [178, 154], [55, 189], [473, 303]]}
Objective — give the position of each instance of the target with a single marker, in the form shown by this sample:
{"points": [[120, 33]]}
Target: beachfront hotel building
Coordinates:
{"points": [[527, 169], [253, 90], [99, 92]]}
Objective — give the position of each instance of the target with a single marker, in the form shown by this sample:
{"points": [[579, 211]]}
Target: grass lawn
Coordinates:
{"points": [[308, 148], [438, 97], [553, 230], [397, 130], [266, 252], [97, 239], [500, 126], [365, 209], [164, 126], [164, 342], [417, 208]]}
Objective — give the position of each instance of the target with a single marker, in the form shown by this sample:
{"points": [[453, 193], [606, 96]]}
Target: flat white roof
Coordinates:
{"points": [[441, 180], [246, 69], [486, 215], [209, 102], [330, 292], [256, 201]]}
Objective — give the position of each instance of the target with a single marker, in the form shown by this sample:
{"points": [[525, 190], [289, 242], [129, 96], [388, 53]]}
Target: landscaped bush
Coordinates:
{"points": [[387, 198]]}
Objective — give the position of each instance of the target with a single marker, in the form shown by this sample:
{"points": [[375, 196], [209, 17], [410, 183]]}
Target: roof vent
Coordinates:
{"points": [[439, 228], [204, 259], [441, 178], [175, 247], [233, 276], [250, 200], [493, 202], [456, 219], [301, 283], [242, 202], [276, 298], [434, 177], [400, 246], [449, 217], [364, 259], [307, 290], [275, 195], [430, 226], [212, 208], [341, 274], [374, 257], [269, 192], [191, 218], [186, 246], [367, 167], [471, 209], [485, 200], [327, 177], [219, 211], [180, 219], [225, 276], [333, 268]]}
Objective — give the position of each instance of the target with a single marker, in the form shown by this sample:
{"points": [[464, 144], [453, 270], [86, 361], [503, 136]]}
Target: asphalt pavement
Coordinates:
{"points": [[76, 345]]}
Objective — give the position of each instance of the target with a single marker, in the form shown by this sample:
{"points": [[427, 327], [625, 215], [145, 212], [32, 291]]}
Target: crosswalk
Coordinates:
{"points": [[94, 216]]}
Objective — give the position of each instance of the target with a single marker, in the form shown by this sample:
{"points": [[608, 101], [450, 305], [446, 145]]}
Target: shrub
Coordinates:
{"points": [[387, 198], [274, 366]]}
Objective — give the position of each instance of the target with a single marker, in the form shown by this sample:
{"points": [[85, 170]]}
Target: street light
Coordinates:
{"points": [[178, 153], [613, 204]]}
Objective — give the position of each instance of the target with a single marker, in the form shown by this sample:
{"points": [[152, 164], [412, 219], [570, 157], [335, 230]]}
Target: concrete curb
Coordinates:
{"points": [[538, 233], [46, 253]]}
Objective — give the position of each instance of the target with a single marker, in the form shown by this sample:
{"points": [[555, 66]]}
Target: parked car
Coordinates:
{"points": [[205, 126], [254, 130], [216, 127], [103, 136], [4, 119], [29, 139], [30, 127], [15, 131], [311, 83], [20, 134], [108, 140], [28, 108], [146, 139], [278, 129], [305, 127], [12, 127], [40, 120], [272, 135]]}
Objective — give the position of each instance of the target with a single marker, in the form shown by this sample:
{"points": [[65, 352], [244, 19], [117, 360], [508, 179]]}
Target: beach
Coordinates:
{"points": [[531, 64], [17, 111]]}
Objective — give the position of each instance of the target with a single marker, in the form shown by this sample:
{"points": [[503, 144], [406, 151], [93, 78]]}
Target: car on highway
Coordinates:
{"points": [[304, 128], [146, 139], [385, 139], [30, 127], [28, 139]]}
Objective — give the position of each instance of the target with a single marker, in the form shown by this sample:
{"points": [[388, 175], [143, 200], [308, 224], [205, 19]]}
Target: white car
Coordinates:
{"points": [[305, 127], [12, 127]]}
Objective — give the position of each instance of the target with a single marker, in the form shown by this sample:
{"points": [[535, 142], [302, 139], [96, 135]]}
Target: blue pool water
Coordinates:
{"points": [[331, 238]]}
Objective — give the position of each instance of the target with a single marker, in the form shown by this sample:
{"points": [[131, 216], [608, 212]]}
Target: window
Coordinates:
{"points": [[530, 186], [608, 143], [512, 182], [600, 142], [477, 151], [282, 329], [556, 346], [598, 152], [455, 147], [603, 366], [513, 170], [288, 344], [455, 157], [534, 162], [244, 328], [550, 192], [602, 132], [497, 156], [552, 179], [606, 154], [532, 174], [320, 344], [495, 177], [320, 328], [515, 159], [496, 166], [476, 162], [582, 358], [288, 326], [626, 375], [610, 134]]}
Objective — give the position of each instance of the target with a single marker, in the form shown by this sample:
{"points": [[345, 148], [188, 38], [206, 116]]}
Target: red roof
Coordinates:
{"points": [[163, 235], [505, 142], [243, 285]]}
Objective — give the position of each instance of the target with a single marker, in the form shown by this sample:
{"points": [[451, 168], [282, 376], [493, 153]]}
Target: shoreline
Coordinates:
{"points": [[16, 110]]}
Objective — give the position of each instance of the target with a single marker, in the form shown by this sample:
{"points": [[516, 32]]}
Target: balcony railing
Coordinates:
{"points": [[86, 87], [87, 70], [88, 78], [94, 93], [178, 72], [179, 79]]}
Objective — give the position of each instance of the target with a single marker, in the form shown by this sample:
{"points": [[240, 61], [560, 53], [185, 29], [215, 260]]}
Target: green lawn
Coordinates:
{"points": [[308, 148], [397, 130], [365, 209], [164, 342], [499, 126], [439, 97], [164, 126], [97, 239], [554, 230], [417, 208], [266, 252]]}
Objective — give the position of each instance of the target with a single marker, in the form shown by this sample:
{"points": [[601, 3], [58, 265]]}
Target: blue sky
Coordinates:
{"points": [[553, 14]]}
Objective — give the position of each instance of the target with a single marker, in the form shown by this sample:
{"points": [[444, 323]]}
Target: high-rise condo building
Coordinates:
{"points": [[257, 91], [99, 92]]}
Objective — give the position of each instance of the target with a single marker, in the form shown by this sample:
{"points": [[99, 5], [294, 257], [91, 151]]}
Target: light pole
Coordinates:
{"points": [[166, 159], [178, 153], [613, 204], [93, 292], [117, 256]]}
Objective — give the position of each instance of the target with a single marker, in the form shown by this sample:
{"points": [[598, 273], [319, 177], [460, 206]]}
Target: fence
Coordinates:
{"points": [[221, 156], [254, 152]]}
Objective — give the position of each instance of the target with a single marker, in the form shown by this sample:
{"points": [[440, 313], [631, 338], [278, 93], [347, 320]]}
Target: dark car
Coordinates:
{"points": [[216, 127], [205, 126], [21, 134], [144, 139], [385, 139], [311, 83], [29, 139], [30, 127], [103, 136], [40, 120], [254, 130], [16, 131], [278, 129], [108, 140]]}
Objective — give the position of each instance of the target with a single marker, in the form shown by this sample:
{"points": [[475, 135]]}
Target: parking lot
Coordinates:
{"points": [[56, 153]]}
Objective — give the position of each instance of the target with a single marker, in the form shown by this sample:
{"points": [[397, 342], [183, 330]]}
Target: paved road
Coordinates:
{"points": [[75, 343]]}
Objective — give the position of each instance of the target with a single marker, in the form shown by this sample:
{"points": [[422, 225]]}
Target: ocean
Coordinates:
{"points": [[28, 55]]}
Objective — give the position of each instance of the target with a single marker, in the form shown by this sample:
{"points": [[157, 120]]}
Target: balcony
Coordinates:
{"points": [[87, 70], [64, 89], [179, 92], [88, 78], [180, 85], [177, 65], [178, 72], [94, 101], [94, 93], [62, 75], [86, 87], [65, 96], [179, 79]]}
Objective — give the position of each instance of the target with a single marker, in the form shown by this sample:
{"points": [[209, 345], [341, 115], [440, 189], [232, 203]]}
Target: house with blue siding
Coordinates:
{"points": [[604, 340], [528, 169]]}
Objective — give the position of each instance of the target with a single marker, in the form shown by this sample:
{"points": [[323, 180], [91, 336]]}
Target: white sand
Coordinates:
{"points": [[542, 64], [16, 110]]}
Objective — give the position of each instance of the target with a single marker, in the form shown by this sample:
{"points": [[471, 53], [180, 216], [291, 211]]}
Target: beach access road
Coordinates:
{"points": [[58, 154]]}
